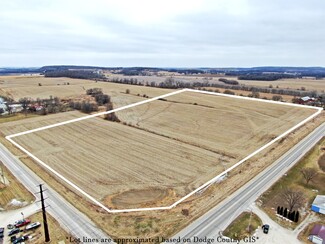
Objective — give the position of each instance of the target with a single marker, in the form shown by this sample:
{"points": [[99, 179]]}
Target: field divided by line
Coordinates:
{"points": [[162, 150], [228, 126]]}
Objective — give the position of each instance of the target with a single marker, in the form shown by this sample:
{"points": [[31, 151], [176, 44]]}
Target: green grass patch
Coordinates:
{"points": [[243, 226]]}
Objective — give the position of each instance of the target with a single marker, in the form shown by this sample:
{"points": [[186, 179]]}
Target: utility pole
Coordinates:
{"points": [[46, 228]]}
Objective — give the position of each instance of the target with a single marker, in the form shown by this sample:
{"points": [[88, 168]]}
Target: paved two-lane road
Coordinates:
{"points": [[217, 219], [72, 219]]}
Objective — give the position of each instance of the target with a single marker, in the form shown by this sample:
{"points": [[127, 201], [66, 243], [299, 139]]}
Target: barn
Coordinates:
{"points": [[318, 205]]}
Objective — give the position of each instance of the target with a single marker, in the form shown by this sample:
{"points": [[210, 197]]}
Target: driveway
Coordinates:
{"points": [[277, 233]]}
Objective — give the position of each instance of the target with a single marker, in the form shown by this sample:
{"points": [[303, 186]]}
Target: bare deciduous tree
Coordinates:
{"points": [[111, 116], [293, 198], [25, 101], [309, 174]]}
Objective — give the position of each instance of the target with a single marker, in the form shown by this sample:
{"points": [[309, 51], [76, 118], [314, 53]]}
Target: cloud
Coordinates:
{"points": [[181, 33]]}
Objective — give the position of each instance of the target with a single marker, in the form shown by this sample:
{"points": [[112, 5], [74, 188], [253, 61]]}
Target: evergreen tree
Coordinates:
{"points": [[293, 215], [285, 212], [297, 216], [289, 215]]}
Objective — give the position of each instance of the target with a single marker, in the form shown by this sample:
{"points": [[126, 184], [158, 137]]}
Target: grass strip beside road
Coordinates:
{"points": [[243, 226], [12, 190]]}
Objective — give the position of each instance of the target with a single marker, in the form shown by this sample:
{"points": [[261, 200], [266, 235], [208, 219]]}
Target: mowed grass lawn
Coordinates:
{"points": [[295, 180]]}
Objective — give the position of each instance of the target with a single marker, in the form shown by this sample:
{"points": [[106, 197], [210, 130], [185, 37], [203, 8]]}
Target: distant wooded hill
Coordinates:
{"points": [[255, 73]]}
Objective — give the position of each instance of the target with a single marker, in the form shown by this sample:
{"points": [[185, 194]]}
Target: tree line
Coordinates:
{"points": [[44, 106], [55, 105], [75, 74], [229, 82], [172, 83], [265, 77]]}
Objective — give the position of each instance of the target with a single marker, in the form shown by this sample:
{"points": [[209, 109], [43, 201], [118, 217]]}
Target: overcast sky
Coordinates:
{"points": [[167, 33]]}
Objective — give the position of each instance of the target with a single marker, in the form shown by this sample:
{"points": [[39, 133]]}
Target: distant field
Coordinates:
{"points": [[27, 86], [170, 148], [309, 84], [269, 96]]}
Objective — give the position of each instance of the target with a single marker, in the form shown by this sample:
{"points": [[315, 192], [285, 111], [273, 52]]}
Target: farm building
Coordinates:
{"points": [[317, 234], [318, 205], [307, 99], [15, 108]]}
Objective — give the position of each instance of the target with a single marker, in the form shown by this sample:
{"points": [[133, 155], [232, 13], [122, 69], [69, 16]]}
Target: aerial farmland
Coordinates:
{"points": [[154, 155], [182, 142], [177, 122]]}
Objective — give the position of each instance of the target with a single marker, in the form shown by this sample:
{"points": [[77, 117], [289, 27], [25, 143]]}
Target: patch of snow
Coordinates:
{"points": [[221, 178], [17, 203]]}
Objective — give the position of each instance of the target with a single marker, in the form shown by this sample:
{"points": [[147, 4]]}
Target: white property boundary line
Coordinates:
{"points": [[207, 184]]}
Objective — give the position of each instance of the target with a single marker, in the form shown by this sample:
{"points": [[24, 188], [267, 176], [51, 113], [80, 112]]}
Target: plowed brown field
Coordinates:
{"points": [[167, 150]]}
